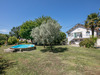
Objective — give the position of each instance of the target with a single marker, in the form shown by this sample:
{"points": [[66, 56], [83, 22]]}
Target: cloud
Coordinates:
{"points": [[4, 31]]}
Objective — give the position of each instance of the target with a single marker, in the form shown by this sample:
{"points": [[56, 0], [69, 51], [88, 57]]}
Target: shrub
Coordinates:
{"points": [[12, 40], [4, 64], [94, 39], [2, 39], [70, 42], [2, 42], [88, 42], [17, 40]]}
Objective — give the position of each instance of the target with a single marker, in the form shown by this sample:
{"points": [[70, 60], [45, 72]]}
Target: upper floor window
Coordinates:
{"points": [[78, 35], [70, 34], [88, 33]]}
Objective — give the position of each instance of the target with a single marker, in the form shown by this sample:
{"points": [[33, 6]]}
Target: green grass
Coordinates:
{"points": [[63, 60]]}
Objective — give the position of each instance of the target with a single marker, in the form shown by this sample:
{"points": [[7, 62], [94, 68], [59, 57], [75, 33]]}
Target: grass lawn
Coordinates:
{"points": [[64, 60]]}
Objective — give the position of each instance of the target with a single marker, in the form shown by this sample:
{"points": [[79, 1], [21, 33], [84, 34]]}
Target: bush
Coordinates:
{"points": [[12, 40], [2, 39], [2, 42], [4, 64], [88, 43]]}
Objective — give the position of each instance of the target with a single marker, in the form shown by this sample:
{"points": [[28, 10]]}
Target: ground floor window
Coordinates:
{"points": [[88, 33]]}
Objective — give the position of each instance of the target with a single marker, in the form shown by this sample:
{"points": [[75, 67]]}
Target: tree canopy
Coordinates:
{"points": [[15, 32], [47, 32], [27, 26], [2, 36], [92, 22], [60, 39]]}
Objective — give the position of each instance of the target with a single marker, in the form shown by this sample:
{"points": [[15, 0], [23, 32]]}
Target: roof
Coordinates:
{"points": [[77, 25]]}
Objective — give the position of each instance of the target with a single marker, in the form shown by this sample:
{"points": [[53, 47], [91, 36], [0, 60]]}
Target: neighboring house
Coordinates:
{"points": [[79, 32], [21, 39]]}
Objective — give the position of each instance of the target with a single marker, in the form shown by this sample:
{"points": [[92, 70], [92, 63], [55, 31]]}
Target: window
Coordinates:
{"points": [[75, 35], [70, 34], [78, 35], [87, 33], [99, 29]]}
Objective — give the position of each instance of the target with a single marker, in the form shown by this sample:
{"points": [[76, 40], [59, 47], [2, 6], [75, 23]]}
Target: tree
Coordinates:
{"points": [[62, 36], [27, 26], [15, 32], [91, 22], [46, 33], [2, 39], [7, 37], [12, 40], [60, 39]]}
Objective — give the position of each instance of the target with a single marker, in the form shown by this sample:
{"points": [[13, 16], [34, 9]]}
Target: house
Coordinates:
{"points": [[79, 32]]}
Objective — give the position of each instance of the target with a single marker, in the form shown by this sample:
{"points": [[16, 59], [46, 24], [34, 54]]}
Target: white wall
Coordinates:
{"points": [[80, 29], [98, 42]]}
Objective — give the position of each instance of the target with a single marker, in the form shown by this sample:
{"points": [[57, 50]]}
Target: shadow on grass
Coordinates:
{"points": [[5, 64], [54, 50]]}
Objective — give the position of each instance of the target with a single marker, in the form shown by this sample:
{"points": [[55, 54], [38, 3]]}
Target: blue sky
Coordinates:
{"points": [[67, 12]]}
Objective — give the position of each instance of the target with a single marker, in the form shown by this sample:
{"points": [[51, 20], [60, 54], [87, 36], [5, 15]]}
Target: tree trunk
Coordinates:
{"points": [[92, 31], [44, 45], [31, 41], [51, 46], [6, 41]]}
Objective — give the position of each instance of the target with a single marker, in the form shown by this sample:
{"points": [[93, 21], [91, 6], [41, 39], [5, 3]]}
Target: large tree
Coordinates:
{"points": [[7, 37], [2, 39], [27, 26], [91, 22], [15, 32], [47, 32], [60, 39]]}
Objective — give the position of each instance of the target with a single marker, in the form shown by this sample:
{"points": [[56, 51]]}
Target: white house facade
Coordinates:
{"points": [[78, 33]]}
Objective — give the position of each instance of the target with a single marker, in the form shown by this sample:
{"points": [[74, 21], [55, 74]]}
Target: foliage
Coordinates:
{"points": [[94, 39], [92, 22], [3, 65], [12, 40], [17, 40], [46, 33], [15, 32], [70, 43], [7, 36], [61, 38], [2, 42], [27, 26], [88, 42], [2, 39]]}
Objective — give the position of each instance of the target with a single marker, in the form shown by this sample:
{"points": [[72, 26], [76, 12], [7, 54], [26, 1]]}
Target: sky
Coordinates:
{"points": [[67, 12]]}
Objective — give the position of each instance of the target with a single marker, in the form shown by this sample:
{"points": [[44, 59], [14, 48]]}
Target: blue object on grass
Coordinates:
{"points": [[23, 46]]}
